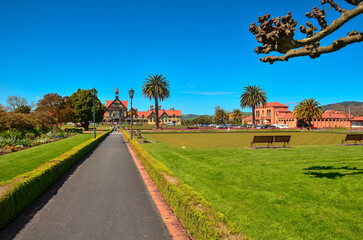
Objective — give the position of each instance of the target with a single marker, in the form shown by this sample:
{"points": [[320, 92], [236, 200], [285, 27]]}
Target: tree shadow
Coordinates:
{"points": [[332, 175]]}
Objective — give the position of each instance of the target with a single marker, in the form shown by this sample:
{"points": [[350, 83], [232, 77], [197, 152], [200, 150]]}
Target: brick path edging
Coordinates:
{"points": [[176, 229]]}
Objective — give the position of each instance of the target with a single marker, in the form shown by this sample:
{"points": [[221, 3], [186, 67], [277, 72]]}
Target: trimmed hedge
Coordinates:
{"points": [[196, 214], [21, 191]]}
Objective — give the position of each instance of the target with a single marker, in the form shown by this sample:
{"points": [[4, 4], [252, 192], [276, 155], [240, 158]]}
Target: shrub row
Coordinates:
{"points": [[20, 192], [196, 214]]}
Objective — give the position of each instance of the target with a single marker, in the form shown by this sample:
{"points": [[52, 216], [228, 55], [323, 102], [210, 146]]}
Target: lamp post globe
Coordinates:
{"points": [[131, 94], [94, 95]]}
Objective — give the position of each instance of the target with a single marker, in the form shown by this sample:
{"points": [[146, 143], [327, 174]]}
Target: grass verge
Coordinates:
{"points": [[18, 193]]}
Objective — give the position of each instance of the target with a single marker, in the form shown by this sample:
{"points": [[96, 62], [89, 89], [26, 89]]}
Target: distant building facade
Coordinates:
{"points": [[117, 111], [278, 113], [357, 123]]}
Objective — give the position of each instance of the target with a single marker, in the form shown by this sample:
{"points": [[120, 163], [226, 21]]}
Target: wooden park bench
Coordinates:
{"points": [[262, 139], [353, 137], [271, 140], [283, 139]]}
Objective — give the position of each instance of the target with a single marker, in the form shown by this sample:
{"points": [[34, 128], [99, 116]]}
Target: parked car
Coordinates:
{"points": [[281, 125]]}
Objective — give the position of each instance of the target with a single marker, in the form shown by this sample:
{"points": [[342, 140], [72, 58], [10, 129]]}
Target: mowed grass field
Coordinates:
{"points": [[17, 163], [238, 139], [308, 191]]}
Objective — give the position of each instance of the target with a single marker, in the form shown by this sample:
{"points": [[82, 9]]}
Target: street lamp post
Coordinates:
{"points": [[131, 93], [94, 95]]}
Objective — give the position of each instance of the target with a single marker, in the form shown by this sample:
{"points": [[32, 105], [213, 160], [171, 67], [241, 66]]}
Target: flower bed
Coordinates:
{"points": [[12, 140]]}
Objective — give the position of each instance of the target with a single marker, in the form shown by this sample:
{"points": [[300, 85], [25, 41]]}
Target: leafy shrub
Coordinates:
{"points": [[12, 133], [6, 142], [42, 140], [31, 135], [24, 142], [60, 134]]}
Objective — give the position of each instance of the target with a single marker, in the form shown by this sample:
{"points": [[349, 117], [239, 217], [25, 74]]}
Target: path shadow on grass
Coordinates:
{"points": [[13, 228], [344, 171]]}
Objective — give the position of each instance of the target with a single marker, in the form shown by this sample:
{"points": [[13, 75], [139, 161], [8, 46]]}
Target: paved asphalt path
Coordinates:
{"points": [[103, 198]]}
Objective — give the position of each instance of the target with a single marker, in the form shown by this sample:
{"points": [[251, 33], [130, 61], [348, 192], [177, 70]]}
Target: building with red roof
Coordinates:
{"points": [[357, 122], [278, 113], [270, 113], [117, 111]]}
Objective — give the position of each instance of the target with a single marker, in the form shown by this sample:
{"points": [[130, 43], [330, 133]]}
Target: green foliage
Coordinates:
{"points": [[24, 189], [156, 87], [13, 138], [237, 116], [196, 214], [82, 102], [204, 119], [22, 109], [307, 110], [220, 115], [252, 97]]}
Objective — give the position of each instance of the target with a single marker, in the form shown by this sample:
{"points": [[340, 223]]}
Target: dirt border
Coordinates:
{"points": [[176, 229]]}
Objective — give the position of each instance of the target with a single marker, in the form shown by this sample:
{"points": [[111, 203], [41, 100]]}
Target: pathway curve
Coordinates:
{"points": [[103, 198]]}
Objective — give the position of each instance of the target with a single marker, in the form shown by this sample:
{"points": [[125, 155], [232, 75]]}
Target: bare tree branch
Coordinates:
{"points": [[315, 52], [335, 25], [277, 34], [334, 5]]}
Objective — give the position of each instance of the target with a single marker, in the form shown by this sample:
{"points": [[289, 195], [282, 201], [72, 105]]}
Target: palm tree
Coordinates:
{"points": [[237, 115], [221, 115], [252, 97], [307, 110], [156, 87]]}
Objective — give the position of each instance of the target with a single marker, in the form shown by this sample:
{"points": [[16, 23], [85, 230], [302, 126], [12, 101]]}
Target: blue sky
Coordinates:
{"points": [[203, 47]]}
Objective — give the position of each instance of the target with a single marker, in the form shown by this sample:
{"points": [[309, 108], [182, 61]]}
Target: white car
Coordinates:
{"points": [[281, 125]]}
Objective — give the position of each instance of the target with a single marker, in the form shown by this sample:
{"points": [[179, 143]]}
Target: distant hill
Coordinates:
{"points": [[356, 108], [189, 116]]}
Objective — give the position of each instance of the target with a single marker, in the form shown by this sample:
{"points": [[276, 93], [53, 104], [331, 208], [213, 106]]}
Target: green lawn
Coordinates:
{"points": [[304, 192], [14, 164], [238, 139]]}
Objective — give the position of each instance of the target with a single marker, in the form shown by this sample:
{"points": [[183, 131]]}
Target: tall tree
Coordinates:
{"points": [[252, 97], [237, 116], [308, 109], [23, 109], [57, 106], [277, 34], [82, 102], [203, 119], [66, 112], [156, 87], [221, 115], [18, 104]]}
